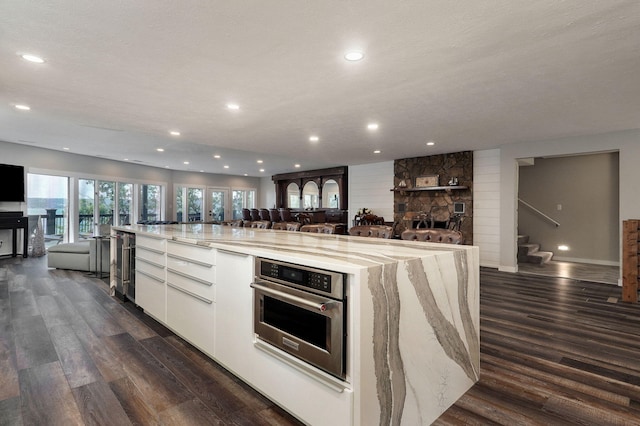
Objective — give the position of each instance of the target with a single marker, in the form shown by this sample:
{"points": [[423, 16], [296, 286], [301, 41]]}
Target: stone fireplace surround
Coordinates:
{"points": [[409, 204]]}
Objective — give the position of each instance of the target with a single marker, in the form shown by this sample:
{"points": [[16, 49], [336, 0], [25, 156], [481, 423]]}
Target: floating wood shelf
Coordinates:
{"points": [[430, 188]]}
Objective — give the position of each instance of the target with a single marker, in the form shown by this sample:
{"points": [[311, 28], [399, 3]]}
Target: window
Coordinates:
{"points": [[242, 199], [125, 203], [150, 197], [48, 198], [86, 207], [190, 200], [106, 202]]}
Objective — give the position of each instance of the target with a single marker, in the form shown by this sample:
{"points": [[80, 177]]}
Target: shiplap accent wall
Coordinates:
{"points": [[369, 186], [486, 206]]}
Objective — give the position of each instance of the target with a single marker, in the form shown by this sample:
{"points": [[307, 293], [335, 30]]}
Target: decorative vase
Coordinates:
{"points": [[38, 239]]}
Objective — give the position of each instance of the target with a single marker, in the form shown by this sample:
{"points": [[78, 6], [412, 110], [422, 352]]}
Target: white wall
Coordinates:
{"points": [[626, 142], [267, 193], [486, 206], [370, 186]]}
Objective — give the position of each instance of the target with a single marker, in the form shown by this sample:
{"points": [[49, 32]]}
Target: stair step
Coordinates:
{"points": [[530, 252], [525, 250], [539, 257]]}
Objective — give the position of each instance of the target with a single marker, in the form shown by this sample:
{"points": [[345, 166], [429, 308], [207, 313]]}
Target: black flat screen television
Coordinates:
{"points": [[11, 183]]}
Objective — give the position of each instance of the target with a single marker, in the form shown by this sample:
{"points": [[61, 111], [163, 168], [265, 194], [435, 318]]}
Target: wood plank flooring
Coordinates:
{"points": [[553, 351], [605, 274], [72, 355]]}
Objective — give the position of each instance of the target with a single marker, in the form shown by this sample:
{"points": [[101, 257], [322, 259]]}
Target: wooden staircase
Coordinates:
{"points": [[530, 252]]}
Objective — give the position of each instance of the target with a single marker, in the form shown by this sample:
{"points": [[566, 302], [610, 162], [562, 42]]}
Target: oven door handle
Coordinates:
{"points": [[321, 307]]}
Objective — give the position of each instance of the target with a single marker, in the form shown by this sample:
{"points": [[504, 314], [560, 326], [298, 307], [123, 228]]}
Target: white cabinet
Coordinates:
{"points": [[191, 293], [234, 312], [151, 293], [191, 316]]}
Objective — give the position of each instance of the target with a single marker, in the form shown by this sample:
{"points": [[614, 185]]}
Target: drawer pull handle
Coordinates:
{"points": [[146, 274], [233, 253], [143, 260], [190, 244], [184, 259], [188, 293], [182, 274], [152, 250]]}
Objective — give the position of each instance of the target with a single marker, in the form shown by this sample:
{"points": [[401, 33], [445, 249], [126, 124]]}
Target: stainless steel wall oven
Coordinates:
{"points": [[302, 311]]}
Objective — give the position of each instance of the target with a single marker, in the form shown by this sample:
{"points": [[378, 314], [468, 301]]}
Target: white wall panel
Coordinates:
{"points": [[369, 186], [486, 206]]}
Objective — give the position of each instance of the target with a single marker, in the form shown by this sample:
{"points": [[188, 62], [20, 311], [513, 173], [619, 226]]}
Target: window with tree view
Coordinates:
{"points": [[242, 199], [150, 202], [191, 201], [125, 203]]}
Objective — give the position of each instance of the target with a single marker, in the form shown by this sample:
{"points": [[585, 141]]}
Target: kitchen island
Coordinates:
{"points": [[412, 317]]}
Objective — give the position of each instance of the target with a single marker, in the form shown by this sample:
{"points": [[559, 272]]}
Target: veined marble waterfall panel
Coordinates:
{"points": [[425, 335]]}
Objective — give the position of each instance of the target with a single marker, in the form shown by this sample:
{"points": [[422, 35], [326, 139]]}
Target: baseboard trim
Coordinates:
{"points": [[591, 261]]}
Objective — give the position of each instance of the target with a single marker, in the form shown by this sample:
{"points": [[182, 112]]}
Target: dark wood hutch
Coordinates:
{"points": [[319, 177]]}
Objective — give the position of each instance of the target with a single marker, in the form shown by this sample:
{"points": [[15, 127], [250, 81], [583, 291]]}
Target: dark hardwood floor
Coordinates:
{"points": [[554, 351], [72, 355], [605, 274]]}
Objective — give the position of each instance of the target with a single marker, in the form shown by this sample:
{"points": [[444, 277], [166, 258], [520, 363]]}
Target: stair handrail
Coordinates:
{"points": [[550, 219]]}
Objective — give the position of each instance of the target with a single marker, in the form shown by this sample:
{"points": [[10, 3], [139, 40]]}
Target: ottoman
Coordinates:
{"points": [[70, 256]]}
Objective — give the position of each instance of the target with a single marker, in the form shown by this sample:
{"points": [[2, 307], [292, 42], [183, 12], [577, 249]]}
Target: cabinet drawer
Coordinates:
{"points": [[152, 269], [192, 318], [198, 287], [192, 268], [151, 255], [200, 254], [151, 295], [158, 244]]}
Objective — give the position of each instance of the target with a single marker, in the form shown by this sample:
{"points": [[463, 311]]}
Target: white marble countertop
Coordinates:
{"points": [[341, 252], [415, 348]]}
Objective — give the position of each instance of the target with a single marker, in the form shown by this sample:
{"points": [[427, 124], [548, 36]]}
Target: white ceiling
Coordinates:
{"points": [[467, 74]]}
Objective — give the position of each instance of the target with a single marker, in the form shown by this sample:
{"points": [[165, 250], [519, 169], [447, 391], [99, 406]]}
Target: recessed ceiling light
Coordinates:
{"points": [[174, 133], [377, 151], [262, 170], [259, 161], [201, 171], [297, 166], [216, 156], [166, 167], [65, 148], [246, 174], [431, 143], [563, 247], [226, 166], [160, 149], [126, 159], [233, 107], [372, 126], [23, 107], [354, 55], [313, 139], [32, 58], [185, 162]]}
